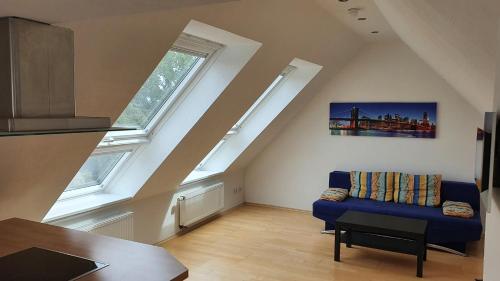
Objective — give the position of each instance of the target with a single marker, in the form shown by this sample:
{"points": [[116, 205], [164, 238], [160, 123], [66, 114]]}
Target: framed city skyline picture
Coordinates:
{"points": [[384, 119]]}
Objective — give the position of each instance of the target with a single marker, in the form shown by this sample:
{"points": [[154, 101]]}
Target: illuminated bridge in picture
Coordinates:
{"points": [[386, 122]]}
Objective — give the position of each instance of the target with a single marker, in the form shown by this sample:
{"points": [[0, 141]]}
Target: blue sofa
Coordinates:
{"points": [[445, 231]]}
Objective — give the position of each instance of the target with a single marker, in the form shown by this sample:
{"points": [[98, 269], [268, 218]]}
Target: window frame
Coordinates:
{"points": [[131, 141], [272, 88], [164, 108], [188, 44], [81, 191], [275, 85]]}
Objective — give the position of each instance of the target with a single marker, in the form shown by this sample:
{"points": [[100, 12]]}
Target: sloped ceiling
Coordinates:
{"points": [[57, 11], [114, 55], [455, 37], [374, 20]]}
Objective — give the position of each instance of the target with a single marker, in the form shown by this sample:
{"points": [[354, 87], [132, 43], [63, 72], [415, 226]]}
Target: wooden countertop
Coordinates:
{"points": [[128, 261]]}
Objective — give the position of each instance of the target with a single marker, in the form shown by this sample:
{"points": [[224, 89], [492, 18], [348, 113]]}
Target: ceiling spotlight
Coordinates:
{"points": [[353, 12], [361, 18], [375, 32], [343, 1]]}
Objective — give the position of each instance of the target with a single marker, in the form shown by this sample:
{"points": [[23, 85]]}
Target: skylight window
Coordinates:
{"points": [[260, 99], [181, 103], [283, 90], [159, 87], [95, 170], [234, 130], [169, 80]]}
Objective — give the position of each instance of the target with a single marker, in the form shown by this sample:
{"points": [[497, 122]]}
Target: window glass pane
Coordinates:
{"points": [[95, 169], [157, 89]]}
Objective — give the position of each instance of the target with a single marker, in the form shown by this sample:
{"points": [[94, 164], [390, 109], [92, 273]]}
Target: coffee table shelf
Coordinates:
{"points": [[384, 232]]}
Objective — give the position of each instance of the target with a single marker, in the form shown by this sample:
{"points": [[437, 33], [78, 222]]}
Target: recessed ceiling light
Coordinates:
{"points": [[375, 32], [361, 18], [353, 12], [343, 1]]}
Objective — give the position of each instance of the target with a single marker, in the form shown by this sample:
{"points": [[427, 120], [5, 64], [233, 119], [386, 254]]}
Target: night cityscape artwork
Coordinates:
{"points": [[384, 119]]}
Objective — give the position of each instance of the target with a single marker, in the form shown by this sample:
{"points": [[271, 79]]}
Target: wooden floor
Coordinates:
{"points": [[262, 243]]}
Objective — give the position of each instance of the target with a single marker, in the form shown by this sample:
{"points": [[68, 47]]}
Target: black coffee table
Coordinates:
{"points": [[390, 233]]}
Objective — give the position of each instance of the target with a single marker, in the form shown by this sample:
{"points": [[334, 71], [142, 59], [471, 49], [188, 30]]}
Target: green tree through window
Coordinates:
{"points": [[158, 88]]}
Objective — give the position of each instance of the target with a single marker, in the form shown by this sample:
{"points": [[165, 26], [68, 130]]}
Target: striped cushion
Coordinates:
{"points": [[423, 190], [372, 185], [458, 209], [382, 186], [334, 194]]}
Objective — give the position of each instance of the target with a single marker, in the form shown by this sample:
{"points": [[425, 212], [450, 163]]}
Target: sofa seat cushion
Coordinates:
{"points": [[441, 228]]}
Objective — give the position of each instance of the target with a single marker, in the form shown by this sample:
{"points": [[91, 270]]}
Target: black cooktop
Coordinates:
{"points": [[36, 264]]}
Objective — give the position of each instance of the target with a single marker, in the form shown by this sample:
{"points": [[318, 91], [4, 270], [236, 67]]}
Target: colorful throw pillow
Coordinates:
{"points": [[372, 185], [382, 186], [422, 190], [458, 209], [334, 194]]}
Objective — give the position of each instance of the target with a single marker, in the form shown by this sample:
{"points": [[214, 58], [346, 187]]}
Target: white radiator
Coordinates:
{"points": [[195, 206], [119, 226]]}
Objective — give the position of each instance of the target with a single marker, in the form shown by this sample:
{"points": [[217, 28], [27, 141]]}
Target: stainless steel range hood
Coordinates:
{"points": [[37, 81]]}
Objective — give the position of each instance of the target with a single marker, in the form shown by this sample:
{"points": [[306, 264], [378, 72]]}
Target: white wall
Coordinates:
{"points": [[293, 170]]}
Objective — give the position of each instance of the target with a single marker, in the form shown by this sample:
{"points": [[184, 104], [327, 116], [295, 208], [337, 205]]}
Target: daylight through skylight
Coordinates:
{"points": [[158, 88]]}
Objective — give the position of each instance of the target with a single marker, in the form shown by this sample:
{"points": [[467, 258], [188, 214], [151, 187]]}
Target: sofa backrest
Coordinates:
{"points": [[450, 190], [340, 179]]}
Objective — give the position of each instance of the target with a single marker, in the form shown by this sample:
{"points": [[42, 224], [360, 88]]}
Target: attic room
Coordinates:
{"points": [[249, 140]]}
